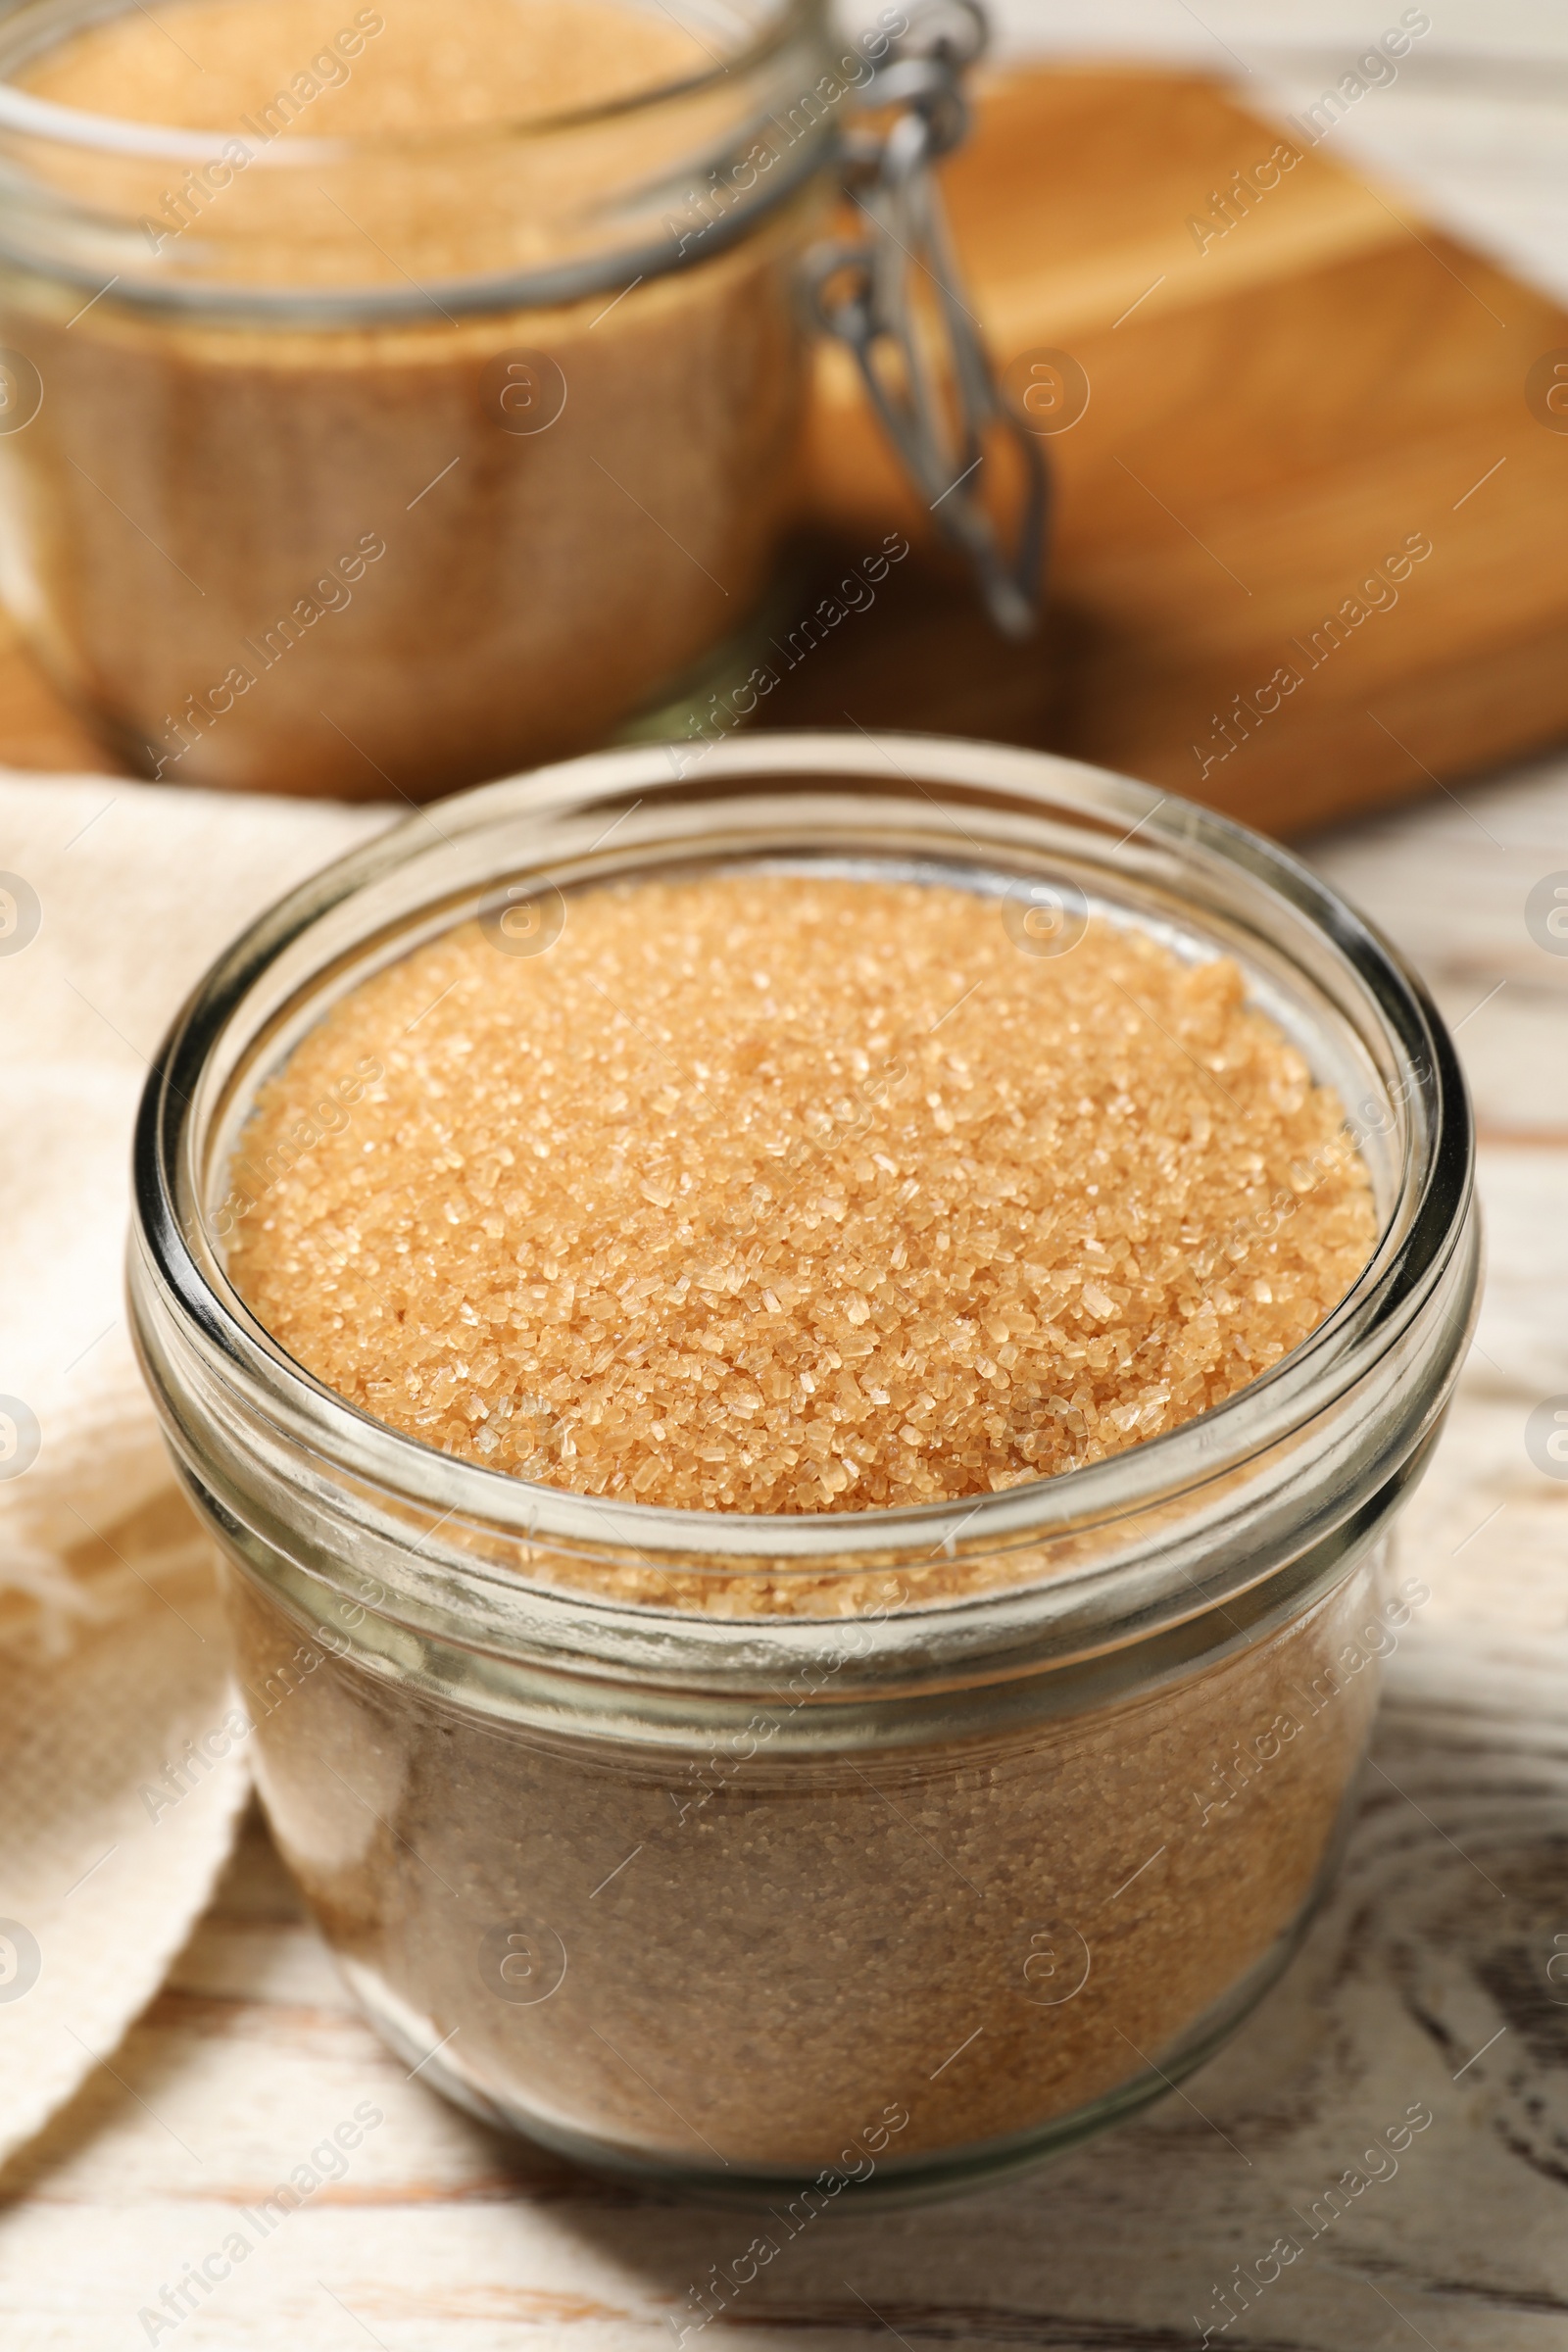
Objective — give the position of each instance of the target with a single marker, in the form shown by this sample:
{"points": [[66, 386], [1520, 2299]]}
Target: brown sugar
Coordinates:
{"points": [[420, 63], [359, 554], [767, 1191]]}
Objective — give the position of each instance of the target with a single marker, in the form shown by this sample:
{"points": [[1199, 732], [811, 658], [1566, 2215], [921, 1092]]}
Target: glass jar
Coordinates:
{"points": [[346, 464], [875, 1850]]}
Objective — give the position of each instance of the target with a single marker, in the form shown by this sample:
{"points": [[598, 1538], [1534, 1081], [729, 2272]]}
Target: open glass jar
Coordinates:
{"points": [[781, 1856], [340, 462]]}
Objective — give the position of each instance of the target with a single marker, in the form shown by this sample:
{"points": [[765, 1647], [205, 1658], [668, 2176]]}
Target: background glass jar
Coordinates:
{"points": [[340, 465], [885, 1849]]}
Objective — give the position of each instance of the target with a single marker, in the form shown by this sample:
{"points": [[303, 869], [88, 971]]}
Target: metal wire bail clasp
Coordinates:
{"points": [[862, 294]]}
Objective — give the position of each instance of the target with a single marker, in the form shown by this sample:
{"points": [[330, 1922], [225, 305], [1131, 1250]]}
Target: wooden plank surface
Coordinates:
{"points": [[1291, 377], [36, 729], [1434, 1980]]}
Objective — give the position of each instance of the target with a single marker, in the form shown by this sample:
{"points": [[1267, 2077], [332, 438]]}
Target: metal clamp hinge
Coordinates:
{"points": [[936, 409]]}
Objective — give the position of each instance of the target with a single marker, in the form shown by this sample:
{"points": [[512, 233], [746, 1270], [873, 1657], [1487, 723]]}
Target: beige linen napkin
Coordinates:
{"points": [[113, 896]]}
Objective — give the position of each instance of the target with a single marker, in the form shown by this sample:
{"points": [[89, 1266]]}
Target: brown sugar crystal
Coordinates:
{"points": [[769, 1192]]}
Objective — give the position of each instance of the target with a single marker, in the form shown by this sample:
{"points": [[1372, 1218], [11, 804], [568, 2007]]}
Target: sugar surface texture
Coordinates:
{"points": [[769, 1193]]}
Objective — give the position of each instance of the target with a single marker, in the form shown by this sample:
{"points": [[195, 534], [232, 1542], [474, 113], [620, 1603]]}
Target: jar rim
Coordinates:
{"points": [[1160, 834]]}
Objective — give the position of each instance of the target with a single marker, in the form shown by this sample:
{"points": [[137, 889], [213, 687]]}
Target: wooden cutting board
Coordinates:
{"points": [[1291, 381], [1277, 402]]}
